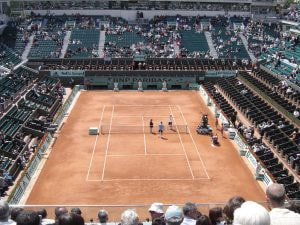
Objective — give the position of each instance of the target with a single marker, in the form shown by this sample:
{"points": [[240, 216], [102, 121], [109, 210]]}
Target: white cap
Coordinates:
{"points": [[156, 207], [174, 214]]}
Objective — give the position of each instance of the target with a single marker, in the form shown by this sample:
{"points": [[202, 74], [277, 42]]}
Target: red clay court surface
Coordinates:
{"points": [[127, 165]]}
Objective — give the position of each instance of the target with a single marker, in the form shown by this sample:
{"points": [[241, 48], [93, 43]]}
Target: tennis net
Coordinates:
{"points": [[128, 129]]}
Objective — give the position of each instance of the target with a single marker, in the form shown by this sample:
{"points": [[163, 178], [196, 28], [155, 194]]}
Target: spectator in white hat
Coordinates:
{"points": [[156, 210], [251, 213], [174, 215]]}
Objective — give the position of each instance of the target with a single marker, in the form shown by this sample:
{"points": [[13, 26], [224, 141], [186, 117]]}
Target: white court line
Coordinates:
{"points": [[140, 116], [182, 143], [150, 179], [95, 144], [190, 133], [144, 135], [143, 155], [141, 105], [108, 139]]}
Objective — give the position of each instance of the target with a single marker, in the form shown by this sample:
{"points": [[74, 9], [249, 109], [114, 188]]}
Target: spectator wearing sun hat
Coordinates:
{"points": [[174, 215], [156, 210]]}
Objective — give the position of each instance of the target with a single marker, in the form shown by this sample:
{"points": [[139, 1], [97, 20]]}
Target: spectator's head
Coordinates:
{"points": [[70, 219], [76, 211], [28, 217], [203, 220], [158, 221], [103, 216], [232, 204], [129, 217], [190, 210], [60, 211], [174, 215], [15, 211], [216, 215], [275, 195], [156, 210], [42, 213], [251, 213], [4, 211]]}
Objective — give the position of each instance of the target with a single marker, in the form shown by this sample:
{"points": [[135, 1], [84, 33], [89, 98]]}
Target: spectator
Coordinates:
{"points": [[70, 219], [156, 210], [28, 217], [129, 217], [58, 212], [103, 217], [158, 221], [190, 213], [280, 215], [251, 213], [203, 220], [76, 211], [216, 216], [232, 204], [4, 214], [43, 214], [174, 215], [15, 211]]}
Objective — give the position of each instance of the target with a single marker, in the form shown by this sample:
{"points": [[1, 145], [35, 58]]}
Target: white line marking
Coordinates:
{"points": [[188, 162], [108, 139], [144, 135], [141, 105], [95, 144], [151, 179], [143, 155], [194, 143], [140, 116]]}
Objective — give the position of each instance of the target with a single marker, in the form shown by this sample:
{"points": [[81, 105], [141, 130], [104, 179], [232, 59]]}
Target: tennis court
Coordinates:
{"points": [[125, 138], [125, 164]]}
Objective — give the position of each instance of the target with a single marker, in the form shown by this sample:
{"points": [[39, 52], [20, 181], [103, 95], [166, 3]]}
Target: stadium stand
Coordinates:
{"points": [[279, 130], [8, 57], [83, 43], [262, 151]]}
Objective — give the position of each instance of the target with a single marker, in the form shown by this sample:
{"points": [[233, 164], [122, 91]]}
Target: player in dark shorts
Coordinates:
{"points": [[170, 122], [151, 126]]}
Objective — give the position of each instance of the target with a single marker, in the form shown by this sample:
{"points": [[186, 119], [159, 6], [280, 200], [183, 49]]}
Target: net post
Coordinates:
{"points": [[186, 129]]}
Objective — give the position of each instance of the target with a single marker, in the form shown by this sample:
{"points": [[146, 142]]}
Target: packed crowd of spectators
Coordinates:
{"points": [[143, 5], [157, 39], [293, 13], [237, 211], [259, 40]]}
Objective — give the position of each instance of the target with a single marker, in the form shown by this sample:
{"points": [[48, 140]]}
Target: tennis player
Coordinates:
{"points": [[151, 126], [170, 122], [161, 128]]}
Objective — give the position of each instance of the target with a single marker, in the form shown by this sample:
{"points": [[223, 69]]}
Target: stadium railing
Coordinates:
{"points": [[25, 177]]}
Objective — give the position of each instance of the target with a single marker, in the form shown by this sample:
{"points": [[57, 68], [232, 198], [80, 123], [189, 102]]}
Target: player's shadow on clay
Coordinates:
{"points": [[164, 138]]}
